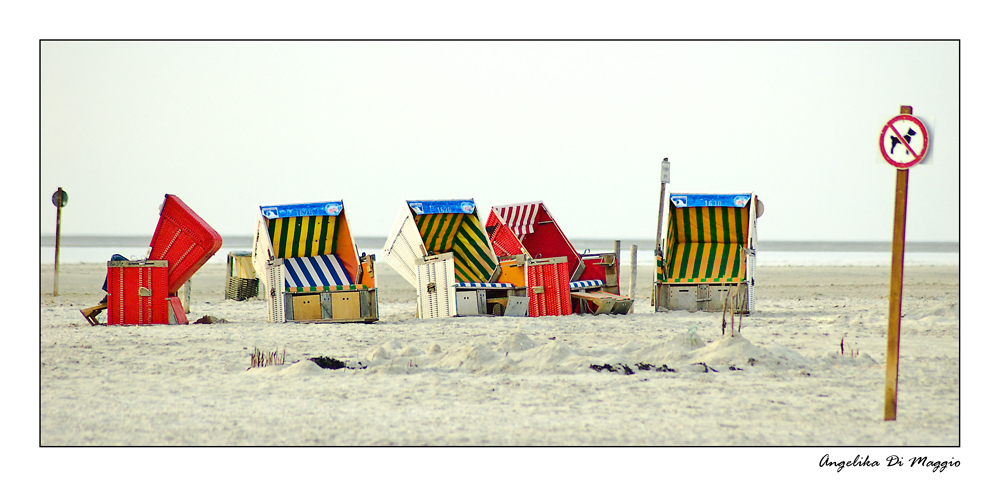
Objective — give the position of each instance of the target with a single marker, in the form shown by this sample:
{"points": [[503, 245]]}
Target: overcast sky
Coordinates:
{"points": [[583, 126]]}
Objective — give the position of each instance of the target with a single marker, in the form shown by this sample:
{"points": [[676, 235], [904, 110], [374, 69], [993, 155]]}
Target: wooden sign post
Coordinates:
{"points": [[898, 150], [657, 249], [664, 179], [59, 198], [895, 295]]}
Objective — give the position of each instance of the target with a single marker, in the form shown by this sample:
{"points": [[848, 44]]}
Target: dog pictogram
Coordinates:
{"points": [[909, 133]]}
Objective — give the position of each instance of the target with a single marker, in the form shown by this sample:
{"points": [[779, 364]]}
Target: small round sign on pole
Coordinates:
{"points": [[58, 201], [904, 141]]}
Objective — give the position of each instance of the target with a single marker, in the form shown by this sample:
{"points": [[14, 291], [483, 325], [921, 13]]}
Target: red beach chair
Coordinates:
{"points": [[145, 292], [530, 229]]}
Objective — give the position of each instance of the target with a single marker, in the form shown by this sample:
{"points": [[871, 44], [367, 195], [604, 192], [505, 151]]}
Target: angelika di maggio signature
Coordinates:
{"points": [[890, 461]]}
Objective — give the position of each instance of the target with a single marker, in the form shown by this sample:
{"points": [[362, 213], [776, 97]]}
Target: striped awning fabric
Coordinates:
{"points": [[586, 284], [316, 271], [709, 224], [303, 236], [520, 217], [480, 285], [706, 244], [461, 234], [700, 262]]}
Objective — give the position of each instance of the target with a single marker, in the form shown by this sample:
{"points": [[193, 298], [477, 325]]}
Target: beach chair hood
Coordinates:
{"points": [[315, 239], [710, 238], [432, 227], [529, 228]]}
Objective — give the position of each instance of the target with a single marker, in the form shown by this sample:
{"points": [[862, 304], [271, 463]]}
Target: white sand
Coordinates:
{"points": [[512, 381]]}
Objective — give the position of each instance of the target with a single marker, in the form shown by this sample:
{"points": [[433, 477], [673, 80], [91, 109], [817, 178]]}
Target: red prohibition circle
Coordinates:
{"points": [[917, 157]]}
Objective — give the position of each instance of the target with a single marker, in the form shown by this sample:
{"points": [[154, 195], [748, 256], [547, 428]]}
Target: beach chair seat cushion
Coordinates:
{"points": [[482, 285], [319, 272], [706, 244], [586, 284], [706, 263]]}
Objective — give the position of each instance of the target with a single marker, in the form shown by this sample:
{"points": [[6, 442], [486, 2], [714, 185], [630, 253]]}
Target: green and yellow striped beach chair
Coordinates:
{"points": [[709, 249], [441, 248]]}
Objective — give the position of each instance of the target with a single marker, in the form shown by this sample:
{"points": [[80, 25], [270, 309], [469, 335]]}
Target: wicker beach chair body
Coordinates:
{"points": [[531, 228], [709, 253], [144, 292], [307, 256], [241, 278], [440, 247]]}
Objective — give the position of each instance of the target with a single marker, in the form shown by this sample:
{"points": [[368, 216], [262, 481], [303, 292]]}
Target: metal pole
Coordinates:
{"points": [[896, 290], [55, 281]]}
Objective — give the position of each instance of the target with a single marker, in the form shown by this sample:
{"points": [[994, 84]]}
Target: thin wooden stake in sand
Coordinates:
{"points": [[631, 280]]}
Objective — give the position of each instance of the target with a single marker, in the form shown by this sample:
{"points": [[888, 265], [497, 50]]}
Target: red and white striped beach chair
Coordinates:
{"points": [[529, 228]]}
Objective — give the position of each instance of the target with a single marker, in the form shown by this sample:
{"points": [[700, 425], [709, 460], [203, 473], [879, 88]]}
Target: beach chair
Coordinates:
{"points": [[441, 249], [708, 257], [530, 229], [144, 292], [313, 273], [241, 279]]}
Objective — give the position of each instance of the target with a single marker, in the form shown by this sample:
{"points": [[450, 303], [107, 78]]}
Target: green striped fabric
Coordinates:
{"points": [[709, 224], [303, 236], [462, 235], [705, 245]]}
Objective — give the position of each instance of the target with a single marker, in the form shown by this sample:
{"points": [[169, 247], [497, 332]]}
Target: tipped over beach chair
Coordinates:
{"points": [[440, 247], [144, 292], [708, 257], [310, 262], [529, 229]]}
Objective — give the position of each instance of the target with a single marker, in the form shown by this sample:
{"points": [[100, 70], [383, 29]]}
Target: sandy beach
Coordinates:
{"points": [[502, 381]]}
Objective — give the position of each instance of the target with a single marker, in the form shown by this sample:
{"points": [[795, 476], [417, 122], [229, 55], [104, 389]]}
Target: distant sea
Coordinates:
{"points": [[95, 249]]}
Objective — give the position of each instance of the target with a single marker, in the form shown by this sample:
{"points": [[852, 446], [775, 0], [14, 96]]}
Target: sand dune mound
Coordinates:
{"points": [[302, 368], [469, 357], [550, 355], [676, 350], [516, 342], [410, 351], [376, 354], [729, 350]]}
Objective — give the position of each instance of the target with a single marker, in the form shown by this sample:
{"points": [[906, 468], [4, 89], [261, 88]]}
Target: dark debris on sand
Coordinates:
{"points": [[619, 368], [662, 368], [334, 364], [626, 370], [209, 320]]}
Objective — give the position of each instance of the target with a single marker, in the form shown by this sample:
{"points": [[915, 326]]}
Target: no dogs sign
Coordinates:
{"points": [[904, 141]]}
